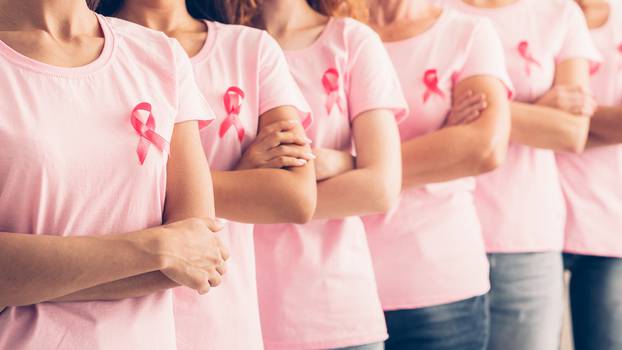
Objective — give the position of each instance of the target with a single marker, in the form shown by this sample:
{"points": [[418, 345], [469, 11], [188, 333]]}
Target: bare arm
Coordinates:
{"points": [[462, 150], [269, 195], [552, 128], [606, 126], [375, 183], [189, 194]]}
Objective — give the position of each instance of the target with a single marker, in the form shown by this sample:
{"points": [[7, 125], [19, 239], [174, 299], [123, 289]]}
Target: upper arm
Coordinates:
{"points": [[575, 71], [377, 140], [189, 190]]}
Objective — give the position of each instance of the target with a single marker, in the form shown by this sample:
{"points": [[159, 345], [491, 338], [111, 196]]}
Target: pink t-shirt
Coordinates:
{"points": [[249, 66], [70, 166], [442, 243], [521, 205], [592, 182], [316, 281]]}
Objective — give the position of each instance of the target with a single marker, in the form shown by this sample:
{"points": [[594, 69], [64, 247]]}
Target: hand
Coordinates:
{"points": [[571, 99], [466, 108], [279, 145], [192, 253], [330, 163]]}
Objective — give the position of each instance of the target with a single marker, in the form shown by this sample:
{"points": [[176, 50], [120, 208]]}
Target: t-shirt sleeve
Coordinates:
{"points": [[277, 87], [577, 41], [485, 55], [372, 80], [191, 104]]}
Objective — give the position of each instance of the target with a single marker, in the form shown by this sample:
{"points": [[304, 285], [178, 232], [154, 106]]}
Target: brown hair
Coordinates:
{"points": [[244, 11]]}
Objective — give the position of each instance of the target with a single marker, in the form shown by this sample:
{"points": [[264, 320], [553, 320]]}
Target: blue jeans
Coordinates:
{"points": [[461, 325], [373, 346], [526, 301], [595, 301]]}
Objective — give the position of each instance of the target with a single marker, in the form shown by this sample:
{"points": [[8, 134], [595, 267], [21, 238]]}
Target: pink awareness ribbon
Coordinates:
{"points": [[430, 80], [523, 50], [330, 81], [232, 101], [146, 131]]}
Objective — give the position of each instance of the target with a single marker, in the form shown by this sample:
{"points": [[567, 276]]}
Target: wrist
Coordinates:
{"points": [[149, 247]]}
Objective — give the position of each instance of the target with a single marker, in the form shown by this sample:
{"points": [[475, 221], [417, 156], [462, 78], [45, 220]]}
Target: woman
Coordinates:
{"points": [[591, 183], [315, 281], [87, 124], [256, 102], [521, 206], [428, 251]]}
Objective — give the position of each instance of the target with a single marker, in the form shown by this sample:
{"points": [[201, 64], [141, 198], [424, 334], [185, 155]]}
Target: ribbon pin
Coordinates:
{"points": [[146, 131], [330, 81], [430, 80], [232, 101], [523, 50]]}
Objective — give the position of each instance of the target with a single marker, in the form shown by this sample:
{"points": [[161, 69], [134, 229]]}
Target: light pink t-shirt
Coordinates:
{"points": [[316, 281], [433, 234], [592, 182], [234, 60], [70, 166], [521, 205]]}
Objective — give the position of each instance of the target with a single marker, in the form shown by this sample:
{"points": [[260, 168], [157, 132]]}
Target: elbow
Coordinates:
{"points": [[576, 141], [303, 205], [387, 196], [490, 158]]}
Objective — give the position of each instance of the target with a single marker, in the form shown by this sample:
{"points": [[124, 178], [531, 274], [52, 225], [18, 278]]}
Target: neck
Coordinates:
{"points": [[279, 16], [489, 3], [61, 18], [589, 4], [385, 12], [164, 15]]}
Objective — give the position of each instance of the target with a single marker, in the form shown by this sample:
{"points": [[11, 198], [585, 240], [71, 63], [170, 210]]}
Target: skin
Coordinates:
{"points": [[606, 126], [294, 24], [254, 192], [35, 268], [475, 137]]}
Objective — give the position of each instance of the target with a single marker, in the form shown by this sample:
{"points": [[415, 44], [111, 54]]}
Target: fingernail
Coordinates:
{"points": [[294, 121], [301, 162], [308, 140], [310, 155]]}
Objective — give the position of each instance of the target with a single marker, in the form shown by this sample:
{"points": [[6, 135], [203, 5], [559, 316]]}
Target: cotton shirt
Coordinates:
{"points": [[70, 166], [316, 281], [592, 181], [521, 205], [234, 61], [433, 234]]}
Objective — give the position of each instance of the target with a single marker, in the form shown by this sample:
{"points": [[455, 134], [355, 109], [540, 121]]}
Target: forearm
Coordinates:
{"points": [[450, 154], [265, 196], [548, 128], [36, 268], [606, 126], [131, 287], [354, 193]]}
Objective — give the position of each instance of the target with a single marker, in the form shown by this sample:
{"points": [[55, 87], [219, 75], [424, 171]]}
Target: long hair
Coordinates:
{"points": [[244, 11]]}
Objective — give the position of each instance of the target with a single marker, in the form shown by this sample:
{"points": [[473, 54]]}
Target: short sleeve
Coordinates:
{"points": [[577, 41], [372, 81], [277, 87], [191, 104], [485, 55]]}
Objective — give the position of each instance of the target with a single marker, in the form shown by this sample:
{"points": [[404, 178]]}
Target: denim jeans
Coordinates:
{"points": [[372, 346], [526, 301], [462, 325], [595, 301]]}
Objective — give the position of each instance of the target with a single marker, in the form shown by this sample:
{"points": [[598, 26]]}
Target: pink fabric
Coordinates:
{"points": [[69, 166], [592, 182], [414, 235], [521, 205], [316, 282], [240, 87]]}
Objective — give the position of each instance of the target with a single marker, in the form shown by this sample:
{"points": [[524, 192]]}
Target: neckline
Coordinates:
{"points": [[41, 67], [327, 29], [206, 49], [473, 8], [429, 31]]}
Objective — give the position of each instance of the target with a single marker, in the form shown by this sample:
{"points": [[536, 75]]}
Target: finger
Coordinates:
{"points": [[291, 138], [473, 101], [214, 278], [285, 162], [282, 125], [461, 98], [224, 252], [292, 151], [222, 269]]}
